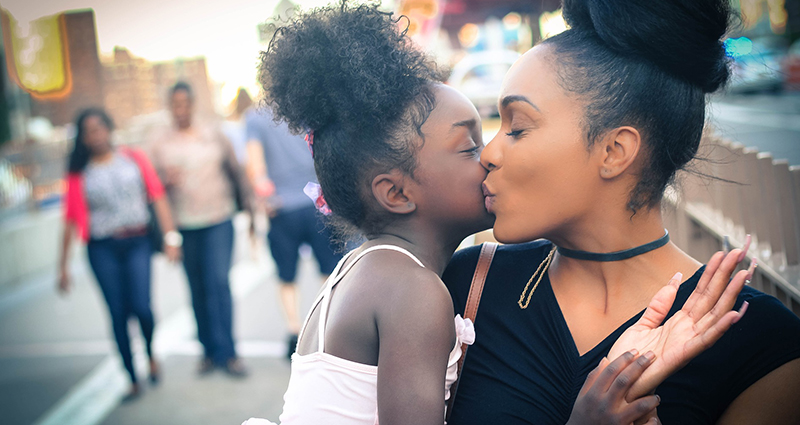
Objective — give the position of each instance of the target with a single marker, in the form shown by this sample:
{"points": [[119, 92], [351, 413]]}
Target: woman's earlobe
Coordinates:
{"points": [[389, 190]]}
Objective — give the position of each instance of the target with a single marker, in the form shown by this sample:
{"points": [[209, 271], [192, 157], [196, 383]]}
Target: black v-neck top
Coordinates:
{"points": [[524, 367]]}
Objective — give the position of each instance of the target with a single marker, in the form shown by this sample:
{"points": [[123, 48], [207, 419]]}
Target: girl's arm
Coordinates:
{"points": [[416, 332]]}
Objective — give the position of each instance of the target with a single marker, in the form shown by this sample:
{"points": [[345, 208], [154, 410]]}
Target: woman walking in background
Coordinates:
{"points": [[108, 191], [205, 186]]}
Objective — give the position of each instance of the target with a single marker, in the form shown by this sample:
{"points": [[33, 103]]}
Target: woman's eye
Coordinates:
{"points": [[515, 133]]}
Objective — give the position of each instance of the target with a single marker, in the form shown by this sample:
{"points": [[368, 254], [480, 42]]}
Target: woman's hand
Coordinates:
{"points": [[64, 282], [704, 318], [601, 400], [173, 253]]}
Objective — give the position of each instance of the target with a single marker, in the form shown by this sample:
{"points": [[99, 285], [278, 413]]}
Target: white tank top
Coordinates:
{"points": [[327, 389]]}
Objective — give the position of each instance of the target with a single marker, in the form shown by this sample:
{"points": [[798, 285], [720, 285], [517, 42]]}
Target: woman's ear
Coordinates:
{"points": [[388, 190], [620, 147]]}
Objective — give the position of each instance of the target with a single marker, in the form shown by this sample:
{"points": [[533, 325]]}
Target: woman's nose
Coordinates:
{"points": [[491, 155]]}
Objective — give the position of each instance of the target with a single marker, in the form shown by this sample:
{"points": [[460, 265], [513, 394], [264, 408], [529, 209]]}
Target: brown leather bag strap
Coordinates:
{"points": [[471, 311]]}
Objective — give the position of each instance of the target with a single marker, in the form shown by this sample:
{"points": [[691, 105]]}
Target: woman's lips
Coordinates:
{"points": [[488, 200]]}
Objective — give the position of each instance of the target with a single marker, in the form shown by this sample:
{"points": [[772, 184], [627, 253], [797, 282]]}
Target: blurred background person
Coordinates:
{"points": [[205, 186], [294, 219], [234, 124], [106, 204]]}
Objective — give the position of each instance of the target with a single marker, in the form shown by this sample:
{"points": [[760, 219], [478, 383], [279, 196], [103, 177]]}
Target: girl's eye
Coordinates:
{"points": [[515, 133], [471, 151]]}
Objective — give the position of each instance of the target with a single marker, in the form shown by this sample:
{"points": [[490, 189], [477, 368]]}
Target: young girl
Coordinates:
{"points": [[396, 154]]}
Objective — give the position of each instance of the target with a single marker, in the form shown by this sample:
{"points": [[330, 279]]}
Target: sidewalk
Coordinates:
{"points": [[59, 364]]}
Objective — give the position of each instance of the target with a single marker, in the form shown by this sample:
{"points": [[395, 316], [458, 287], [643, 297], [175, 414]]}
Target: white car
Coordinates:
{"points": [[480, 75]]}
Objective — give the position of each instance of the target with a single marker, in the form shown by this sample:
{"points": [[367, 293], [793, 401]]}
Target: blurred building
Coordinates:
{"points": [[135, 86]]}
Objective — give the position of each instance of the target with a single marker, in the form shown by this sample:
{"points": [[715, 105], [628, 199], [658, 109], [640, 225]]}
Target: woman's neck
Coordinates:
{"points": [[102, 157], [605, 233]]}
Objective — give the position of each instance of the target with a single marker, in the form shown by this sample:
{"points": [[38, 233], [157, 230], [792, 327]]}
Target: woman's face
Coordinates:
{"points": [[542, 178], [96, 135], [181, 108], [449, 170]]}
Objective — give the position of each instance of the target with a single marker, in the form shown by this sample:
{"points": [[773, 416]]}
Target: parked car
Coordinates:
{"points": [[480, 75], [758, 69]]}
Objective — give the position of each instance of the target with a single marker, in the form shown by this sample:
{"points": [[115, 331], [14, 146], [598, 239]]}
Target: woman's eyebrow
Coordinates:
{"points": [[517, 98]]}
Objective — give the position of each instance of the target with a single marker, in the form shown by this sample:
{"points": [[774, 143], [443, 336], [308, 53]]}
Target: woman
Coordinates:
{"points": [[595, 123], [205, 186], [108, 191], [396, 154]]}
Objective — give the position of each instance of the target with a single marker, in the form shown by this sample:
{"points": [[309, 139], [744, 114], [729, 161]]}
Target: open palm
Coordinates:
{"points": [[704, 318]]}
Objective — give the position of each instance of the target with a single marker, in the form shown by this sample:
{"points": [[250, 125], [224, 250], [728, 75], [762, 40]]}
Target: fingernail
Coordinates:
{"points": [[650, 356], [658, 397], [752, 269], [742, 310], [677, 278], [746, 247], [634, 352]]}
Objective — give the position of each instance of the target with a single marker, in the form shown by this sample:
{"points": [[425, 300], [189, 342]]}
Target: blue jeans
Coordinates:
{"points": [[207, 259], [122, 268]]}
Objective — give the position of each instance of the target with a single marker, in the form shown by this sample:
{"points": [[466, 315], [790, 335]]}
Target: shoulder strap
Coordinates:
{"points": [[470, 312]]}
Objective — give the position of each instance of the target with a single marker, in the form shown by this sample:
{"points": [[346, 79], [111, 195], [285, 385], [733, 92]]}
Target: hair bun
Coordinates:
{"points": [[682, 37]]}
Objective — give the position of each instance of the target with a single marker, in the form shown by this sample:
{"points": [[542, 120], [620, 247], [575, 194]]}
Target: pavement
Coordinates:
{"points": [[59, 364]]}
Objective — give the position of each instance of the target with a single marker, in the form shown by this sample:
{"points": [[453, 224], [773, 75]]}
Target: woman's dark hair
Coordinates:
{"points": [[81, 153], [181, 86], [647, 64], [350, 75]]}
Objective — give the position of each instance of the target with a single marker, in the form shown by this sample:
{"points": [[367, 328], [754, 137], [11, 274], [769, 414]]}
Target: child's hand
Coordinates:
{"points": [[601, 400]]}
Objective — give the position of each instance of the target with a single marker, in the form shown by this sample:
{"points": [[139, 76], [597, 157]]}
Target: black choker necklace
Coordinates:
{"points": [[615, 256]]}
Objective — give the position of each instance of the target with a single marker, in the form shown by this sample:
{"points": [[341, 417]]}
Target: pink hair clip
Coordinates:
{"points": [[310, 140], [314, 191]]}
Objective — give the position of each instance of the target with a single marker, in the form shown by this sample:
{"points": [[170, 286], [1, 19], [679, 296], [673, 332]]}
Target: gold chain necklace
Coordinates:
{"points": [[540, 273]]}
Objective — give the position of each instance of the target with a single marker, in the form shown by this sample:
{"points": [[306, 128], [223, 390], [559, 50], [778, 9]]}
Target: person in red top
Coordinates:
{"points": [[106, 205]]}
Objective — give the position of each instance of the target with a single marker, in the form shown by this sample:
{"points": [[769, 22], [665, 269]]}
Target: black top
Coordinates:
{"points": [[524, 367]]}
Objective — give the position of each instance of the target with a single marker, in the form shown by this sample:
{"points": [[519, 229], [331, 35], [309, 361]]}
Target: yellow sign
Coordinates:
{"points": [[37, 57]]}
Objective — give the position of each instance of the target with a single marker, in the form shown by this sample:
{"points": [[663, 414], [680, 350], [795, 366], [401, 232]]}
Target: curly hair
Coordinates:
{"points": [[350, 75]]}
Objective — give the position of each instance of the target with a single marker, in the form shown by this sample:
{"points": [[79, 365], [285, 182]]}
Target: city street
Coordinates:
{"points": [[770, 123], [59, 364]]}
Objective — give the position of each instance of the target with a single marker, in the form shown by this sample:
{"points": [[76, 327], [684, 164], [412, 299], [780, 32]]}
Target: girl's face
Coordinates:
{"points": [[449, 169], [542, 178], [96, 135]]}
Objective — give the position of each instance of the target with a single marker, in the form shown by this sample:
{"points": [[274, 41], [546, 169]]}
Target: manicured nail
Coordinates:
{"points": [[677, 279], [634, 352], [751, 269], [650, 356], [658, 397], [746, 247], [742, 310]]}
